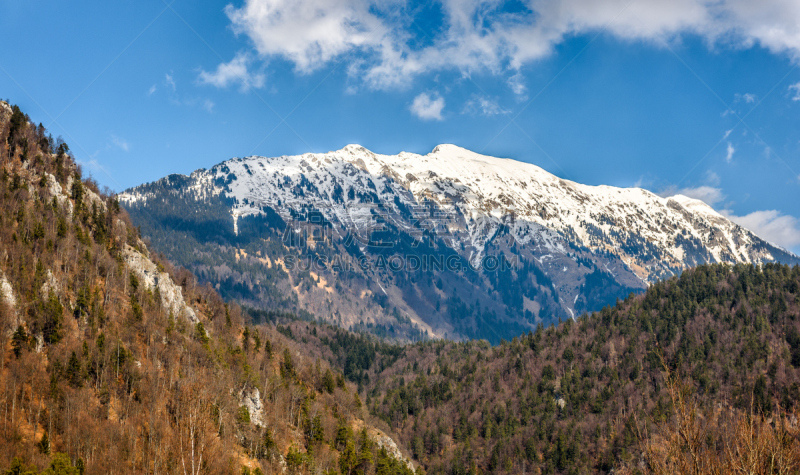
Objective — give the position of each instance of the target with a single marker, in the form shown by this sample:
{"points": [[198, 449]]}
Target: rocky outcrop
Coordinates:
{"points": [[6, 292], [9, 299], [251, 399], [55, 190], [50, 285], [154, 279], [386, 442], [90, 198], [5, 112]]}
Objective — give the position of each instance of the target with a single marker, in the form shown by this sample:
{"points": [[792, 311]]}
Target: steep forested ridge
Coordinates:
{"points": [[714, 353], [579, 397], [113, 361]]}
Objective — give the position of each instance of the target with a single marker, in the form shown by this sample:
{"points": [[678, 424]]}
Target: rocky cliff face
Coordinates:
{"points": [[569, 248], [160, 283]]}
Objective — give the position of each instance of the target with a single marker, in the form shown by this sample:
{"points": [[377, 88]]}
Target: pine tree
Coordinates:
{"points": [[19, 341], [44, 443]]}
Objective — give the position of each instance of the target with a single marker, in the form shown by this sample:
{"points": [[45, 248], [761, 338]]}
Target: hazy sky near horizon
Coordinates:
{"points": [[689, 96]]}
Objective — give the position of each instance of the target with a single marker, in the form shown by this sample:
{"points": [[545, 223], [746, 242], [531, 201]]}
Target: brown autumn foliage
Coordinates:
{"points": [[99, 376], [718, 439], [581, 396]]}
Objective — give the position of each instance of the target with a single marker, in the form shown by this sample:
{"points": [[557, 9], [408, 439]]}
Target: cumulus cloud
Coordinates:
{"points": [[428, 108], [236, 71], [378, 38], [709, 192], [483, 105], [729, 153], [771, 225]]}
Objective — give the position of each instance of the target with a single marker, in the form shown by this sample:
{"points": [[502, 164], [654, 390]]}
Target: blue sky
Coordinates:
{"points": [[684, 96]]}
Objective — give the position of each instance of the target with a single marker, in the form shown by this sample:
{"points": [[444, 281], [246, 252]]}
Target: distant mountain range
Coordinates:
{"points": [[449, 244]]}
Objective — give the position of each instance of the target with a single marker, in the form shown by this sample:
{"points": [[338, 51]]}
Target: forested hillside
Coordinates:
{"points": [[705, 367], [113, 361]]}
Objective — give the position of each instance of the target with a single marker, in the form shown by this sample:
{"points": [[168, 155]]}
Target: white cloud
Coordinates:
{"points": [[307, 32], [428, 108], [120, 143], [712, 178], [517, 85], [708, 194], [747, 97], [170, 82], [771, 225], [484, 106], [796, 88], [208, 105], [376, 38], [151, 90], [730, 152], [233, 72]]}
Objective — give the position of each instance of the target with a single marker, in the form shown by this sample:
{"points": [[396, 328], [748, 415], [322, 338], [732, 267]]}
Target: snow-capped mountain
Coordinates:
{"points": [[578, 237]]}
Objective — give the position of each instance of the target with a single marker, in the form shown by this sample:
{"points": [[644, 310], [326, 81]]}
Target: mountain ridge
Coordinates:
{"points": [[579, 237], [449, 150]]}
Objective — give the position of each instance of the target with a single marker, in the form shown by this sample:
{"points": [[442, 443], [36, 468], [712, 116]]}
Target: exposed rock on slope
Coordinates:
{"points": [[159, 281]]}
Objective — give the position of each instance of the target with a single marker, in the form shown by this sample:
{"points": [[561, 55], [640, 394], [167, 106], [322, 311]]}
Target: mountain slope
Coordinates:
{"points": [[525, 245], [714, 353], [113, 361]]}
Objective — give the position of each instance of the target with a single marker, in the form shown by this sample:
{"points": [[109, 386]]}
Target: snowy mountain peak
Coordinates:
{"points": [[695, 205], [487, 192], [479, 206], [353, 148]]}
